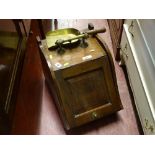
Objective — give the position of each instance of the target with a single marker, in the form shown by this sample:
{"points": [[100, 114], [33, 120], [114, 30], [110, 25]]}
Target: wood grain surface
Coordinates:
{"points": [[36, 112]]}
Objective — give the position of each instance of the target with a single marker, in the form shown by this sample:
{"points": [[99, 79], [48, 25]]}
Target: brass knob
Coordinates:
{"points": [[94, 115]]}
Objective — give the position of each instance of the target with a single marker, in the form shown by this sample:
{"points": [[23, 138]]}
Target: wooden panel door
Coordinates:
{"points": [[88, 92]]}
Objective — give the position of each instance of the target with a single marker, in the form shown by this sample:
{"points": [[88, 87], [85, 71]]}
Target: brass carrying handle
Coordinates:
{"points": [[84, 35]]}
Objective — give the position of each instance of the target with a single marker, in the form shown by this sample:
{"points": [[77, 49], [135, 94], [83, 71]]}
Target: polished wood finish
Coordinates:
{"points": [[12, 46], [84, 90], [116, 28], [36, 112]]}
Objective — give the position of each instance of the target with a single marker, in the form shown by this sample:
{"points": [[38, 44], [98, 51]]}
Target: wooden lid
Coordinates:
{"points": [[72, 56]]}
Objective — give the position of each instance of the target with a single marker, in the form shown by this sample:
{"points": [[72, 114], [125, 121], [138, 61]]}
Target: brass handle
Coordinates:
{"points": [[92, 32], [84, 35], [131, 27]]}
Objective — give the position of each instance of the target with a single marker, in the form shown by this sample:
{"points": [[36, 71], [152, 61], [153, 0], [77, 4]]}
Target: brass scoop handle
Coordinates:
{"points": [[84, 35], [93, 32]]}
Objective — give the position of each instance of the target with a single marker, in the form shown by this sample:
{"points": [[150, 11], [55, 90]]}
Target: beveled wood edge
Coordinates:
{"points": [[106, 48]]}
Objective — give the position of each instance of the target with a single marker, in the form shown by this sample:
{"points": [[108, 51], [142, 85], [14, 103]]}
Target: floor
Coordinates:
{"points": [[35, 111]]}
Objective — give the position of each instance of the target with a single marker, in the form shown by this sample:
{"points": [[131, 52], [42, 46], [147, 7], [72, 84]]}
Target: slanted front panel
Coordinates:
{"points": [[88, 90]]}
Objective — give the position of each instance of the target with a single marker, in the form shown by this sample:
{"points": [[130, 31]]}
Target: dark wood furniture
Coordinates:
{"points": [[116, 27], [13, 34], [84, 90]]}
